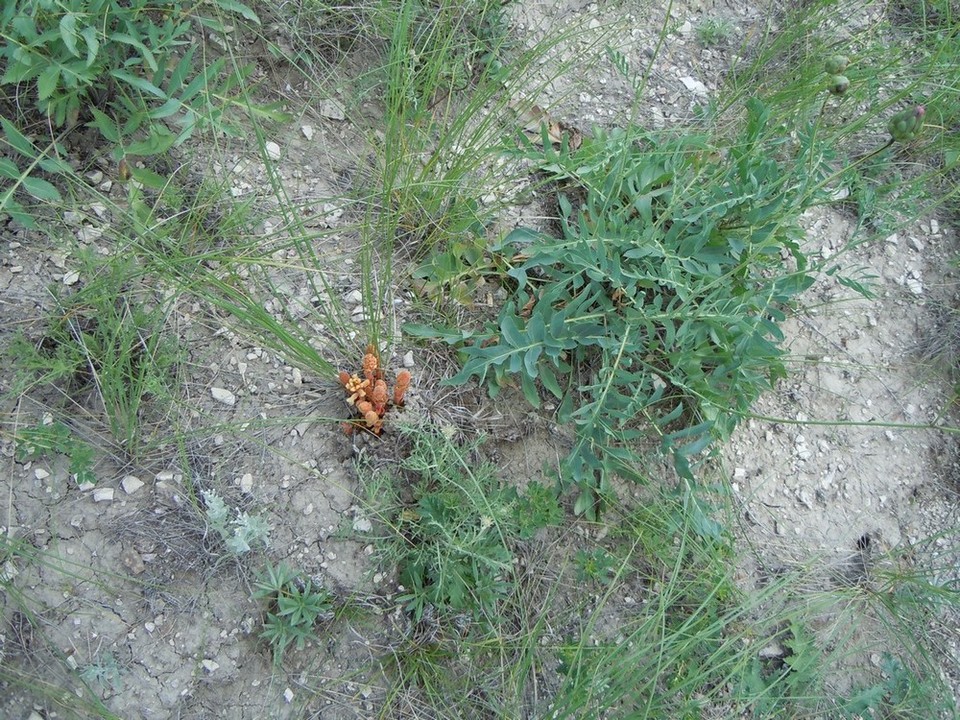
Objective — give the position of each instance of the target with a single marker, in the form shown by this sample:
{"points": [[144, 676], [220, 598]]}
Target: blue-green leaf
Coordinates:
{"points": [[9, 169], [139, 83], [47, 82], [239, 8], [89, 35], [68, 33], [41, 189]]}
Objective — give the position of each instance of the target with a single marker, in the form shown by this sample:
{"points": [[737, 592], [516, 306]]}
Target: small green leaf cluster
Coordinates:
{"points": [[126, 67], [453, 542], [714, 31], [773, 682], [240, 534], [57, 438], [661, 300], [900, 692], [294, 606], [594, 566], [24, 158], [105, 673], [73, 50]]}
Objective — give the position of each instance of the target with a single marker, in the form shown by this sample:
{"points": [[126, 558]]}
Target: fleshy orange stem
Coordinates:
{"points": [[400, 387]]}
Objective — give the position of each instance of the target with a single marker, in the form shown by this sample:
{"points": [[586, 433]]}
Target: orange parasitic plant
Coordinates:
{"points": [[369, 394]]}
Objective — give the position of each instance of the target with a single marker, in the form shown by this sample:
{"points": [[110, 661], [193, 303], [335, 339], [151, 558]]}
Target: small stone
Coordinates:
{"points": [[210, 665], [354, 297], [772, 652], [332, 109], [103, 495], [296, 376], [408, 359], [273, 150], [915, 244], [89, 234], [41, 474], [362, 525], [246, 483], [694, 85], [224, 396], [71, 278], [739, 473], [132, 561], [168, 495], [130, 484], [288, 695], [307, 131], [934, 226]]}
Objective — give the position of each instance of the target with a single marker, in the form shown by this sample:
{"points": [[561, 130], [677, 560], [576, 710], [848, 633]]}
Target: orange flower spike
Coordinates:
{"points": [[363, 407], [400, 386], [370, 365], [344, 378], [373, 421], [379, 397]]}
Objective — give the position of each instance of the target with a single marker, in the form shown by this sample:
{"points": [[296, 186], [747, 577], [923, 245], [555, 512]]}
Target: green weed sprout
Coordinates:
{"points": [[293, 608]]}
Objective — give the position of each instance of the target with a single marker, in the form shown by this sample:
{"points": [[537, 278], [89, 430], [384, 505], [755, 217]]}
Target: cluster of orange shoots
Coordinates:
{"points": [[369, 394]]}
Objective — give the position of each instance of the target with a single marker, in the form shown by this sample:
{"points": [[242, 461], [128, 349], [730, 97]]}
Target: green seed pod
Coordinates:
{"points": [[839, 84], [906, 124], [836, 64]]}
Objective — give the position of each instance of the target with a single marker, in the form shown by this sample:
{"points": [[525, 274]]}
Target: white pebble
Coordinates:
{"points": [[332, 109], [273, 150], [41, 474], [130, 484], [103, 495], [362, 524], [246, 483], [288, 695], [224, 396]]}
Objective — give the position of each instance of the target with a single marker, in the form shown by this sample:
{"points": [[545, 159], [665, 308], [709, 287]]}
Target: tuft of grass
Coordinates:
{"points": [[106, 348]]}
